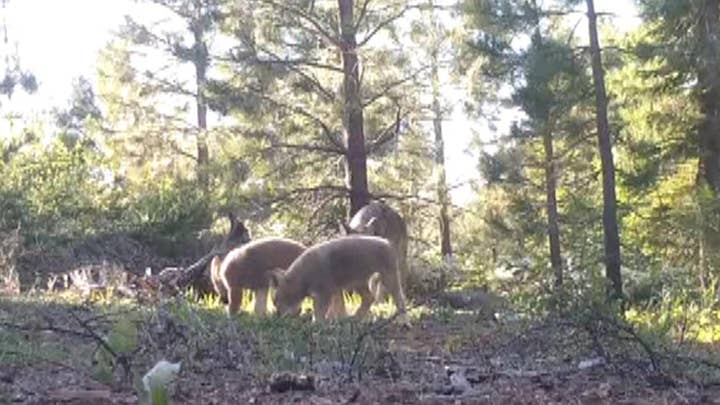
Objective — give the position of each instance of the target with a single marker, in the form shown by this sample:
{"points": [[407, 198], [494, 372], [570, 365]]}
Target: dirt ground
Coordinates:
{"points": [[444, 357]]}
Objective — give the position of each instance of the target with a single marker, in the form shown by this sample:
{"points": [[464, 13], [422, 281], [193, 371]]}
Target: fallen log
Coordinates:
{"points": [[195, 275]]}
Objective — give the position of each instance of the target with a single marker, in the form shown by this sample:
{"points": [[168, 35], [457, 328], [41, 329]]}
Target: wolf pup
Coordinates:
{"points": [[250, 266], [325, 270], [379, 219]]}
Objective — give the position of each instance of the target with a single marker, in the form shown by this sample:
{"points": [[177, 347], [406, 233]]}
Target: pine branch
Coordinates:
{"points": [[305, 113], [395, 83], [287, 62], [182, 152], [309, 148], [390, 132], [315, 82], [362, 15], [340, 190], [311, 19], [170, 87], [384, 24]]}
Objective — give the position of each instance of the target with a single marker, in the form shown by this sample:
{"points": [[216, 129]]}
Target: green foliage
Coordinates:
{"points": [[680, 319], [159, 395], [55, 191], [64, 193], [121, 155], [519, 43], [281, 343], [121, 341], [288, 103], [15, 348], [168, 214], [664, 232], [667, 220]]}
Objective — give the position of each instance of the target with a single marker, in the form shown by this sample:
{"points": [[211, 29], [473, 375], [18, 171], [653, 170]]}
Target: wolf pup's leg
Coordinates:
{"points": [[235, 295], [261, 297], [391, 280], [321, 302], [366, 302], [337, 306]]}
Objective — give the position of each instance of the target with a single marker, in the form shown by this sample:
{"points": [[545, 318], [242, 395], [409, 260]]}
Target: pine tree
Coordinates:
{"points": [[311, 83], [610, 222], [200, 17]]}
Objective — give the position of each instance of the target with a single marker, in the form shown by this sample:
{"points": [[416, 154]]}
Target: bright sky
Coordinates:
{"points": [[59, 40]]}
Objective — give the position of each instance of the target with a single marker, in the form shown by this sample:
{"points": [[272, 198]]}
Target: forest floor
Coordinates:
{"points": [[55, 349]]}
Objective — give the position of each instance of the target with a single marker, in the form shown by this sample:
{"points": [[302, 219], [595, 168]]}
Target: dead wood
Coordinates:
{"points": [[85, 396], [178, 279], [122, 360], [287, 381], [357, 360]]}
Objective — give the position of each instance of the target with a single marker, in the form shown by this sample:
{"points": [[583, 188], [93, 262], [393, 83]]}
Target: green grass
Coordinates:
{"points": [[287, 343], [19, 347], [680, 322], [26, 335], [196, 332], [200, 334]]}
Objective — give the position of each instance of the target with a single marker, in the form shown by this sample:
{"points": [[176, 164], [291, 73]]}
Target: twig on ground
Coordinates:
{"points": [[697, 360], [598, 346], [48, 328], [106, 316], [121, 359], [50, 362], [629, 330], [370, 331]]}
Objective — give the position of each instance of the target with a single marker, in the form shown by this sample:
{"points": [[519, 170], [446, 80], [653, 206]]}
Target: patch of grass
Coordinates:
{"points": [[681, 318], [19, 347], [197, 332], [65, 330], [275, 343], [444, 314], [681, 323], [24, 338], [121, 340]]}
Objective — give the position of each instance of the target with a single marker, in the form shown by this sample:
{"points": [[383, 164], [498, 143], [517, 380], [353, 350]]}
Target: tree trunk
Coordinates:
{"points": [[552, 210], [709, 84], [610, 226], [201, 62], [443, 198], [709, 134], [356, 157]]}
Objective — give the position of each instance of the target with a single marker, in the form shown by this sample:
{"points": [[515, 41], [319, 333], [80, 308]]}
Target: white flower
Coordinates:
{"points": [[161, 375]]}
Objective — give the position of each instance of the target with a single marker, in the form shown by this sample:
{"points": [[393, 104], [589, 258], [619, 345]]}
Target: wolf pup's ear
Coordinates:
{"points": [[345, 229], [243, 232]]}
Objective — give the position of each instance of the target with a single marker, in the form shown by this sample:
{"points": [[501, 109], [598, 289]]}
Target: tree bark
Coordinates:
{"points": [[709, 83], [610, 225], [443, 217], [201, 62], [356, 155], [551, 208], [708, 34]]}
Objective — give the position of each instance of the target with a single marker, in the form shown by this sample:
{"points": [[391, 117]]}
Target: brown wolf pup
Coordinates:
{"points": [[250, 266], [379, 219], [236, 237], [326, 269]]}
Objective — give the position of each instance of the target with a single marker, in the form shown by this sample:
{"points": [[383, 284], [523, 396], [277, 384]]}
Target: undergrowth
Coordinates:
{"points": [[116, 341]]}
